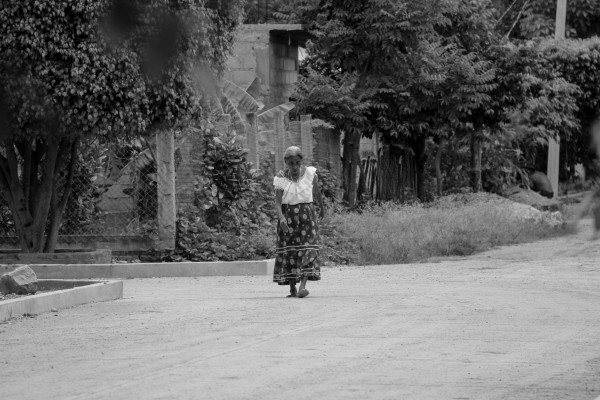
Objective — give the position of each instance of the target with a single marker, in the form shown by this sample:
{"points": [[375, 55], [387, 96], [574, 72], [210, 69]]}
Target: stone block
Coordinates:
{"points": [[248, 61], [243, 78], [263, 65], [255, 34], [22, 280], [234, 63]]}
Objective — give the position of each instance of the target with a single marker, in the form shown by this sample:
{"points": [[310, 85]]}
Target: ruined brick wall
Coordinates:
{"points": [[283, 71], [268, 52]]}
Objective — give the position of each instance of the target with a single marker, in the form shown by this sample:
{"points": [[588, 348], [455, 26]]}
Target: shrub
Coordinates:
{"points": [[233, 196], [233, 218], [197, 242]]}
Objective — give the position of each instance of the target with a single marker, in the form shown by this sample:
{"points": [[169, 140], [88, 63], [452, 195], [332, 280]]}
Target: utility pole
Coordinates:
{"points": [[554, 145]]}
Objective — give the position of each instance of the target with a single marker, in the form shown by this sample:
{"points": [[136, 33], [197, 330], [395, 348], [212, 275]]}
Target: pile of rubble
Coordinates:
{"points": [[522, 203], [535, 207]]}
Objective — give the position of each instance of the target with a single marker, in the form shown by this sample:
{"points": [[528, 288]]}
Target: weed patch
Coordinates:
{"points": [[391, 234]]}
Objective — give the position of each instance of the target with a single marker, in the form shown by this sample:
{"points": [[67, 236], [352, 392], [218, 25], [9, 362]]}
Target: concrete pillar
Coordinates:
{"points": [[554, 145], [165, 175], [553, 163], [561, 19], [279, 136]]}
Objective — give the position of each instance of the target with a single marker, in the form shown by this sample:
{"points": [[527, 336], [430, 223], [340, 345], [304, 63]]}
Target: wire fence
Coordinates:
{"points": [[113, 193], [114, 190]]}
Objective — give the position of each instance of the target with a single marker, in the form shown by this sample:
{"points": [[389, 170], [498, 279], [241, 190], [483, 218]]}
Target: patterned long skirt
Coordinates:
{"points": [[298, 250]]}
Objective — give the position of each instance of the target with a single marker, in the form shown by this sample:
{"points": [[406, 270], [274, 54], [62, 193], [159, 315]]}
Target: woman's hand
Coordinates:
{"points": [[283, 225]]}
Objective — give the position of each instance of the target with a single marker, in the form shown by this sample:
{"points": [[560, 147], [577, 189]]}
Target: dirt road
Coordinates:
{"points": [[520, 322]]}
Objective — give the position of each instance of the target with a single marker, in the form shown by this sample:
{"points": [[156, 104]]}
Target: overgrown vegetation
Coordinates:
{"points": [[457, 225], [233, 219]]}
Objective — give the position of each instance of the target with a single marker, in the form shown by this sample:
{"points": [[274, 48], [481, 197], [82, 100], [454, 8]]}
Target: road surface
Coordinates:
{"points": [[520, 322]]}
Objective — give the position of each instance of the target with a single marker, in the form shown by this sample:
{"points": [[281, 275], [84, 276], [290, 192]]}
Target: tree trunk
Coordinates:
{"points": [[350, 166], [420, 159], [58, 207], [438, 168], [475, 163], [345, 167], [384, 175], [29, 187], [361, 188], [391, 173]]}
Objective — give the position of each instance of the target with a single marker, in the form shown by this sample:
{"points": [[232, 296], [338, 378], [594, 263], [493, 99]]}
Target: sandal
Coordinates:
{"points": [[303, 293]]}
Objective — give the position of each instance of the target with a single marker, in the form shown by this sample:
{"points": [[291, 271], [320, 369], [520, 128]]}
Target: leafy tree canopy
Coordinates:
{"points": [[578, 62], [95, 68], [107, 67]]}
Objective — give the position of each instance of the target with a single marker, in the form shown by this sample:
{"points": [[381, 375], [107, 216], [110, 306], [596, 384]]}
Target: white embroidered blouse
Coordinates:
{"points": [[296, 192]]}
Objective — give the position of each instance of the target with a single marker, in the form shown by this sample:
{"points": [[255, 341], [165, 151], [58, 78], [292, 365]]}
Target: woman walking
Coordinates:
{"points": [[296, 259]]}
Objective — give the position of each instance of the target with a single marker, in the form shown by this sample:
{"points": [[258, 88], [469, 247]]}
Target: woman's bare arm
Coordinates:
{"points": [[279, 210]]}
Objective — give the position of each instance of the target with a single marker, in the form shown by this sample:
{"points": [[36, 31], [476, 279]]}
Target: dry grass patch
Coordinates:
{"points": [[454, 225]]}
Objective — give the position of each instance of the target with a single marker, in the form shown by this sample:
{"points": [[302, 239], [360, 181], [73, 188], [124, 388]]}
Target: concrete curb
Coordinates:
{"points": [[153, 270], [45, 302]]}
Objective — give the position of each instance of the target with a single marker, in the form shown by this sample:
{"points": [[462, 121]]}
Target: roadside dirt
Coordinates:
{"points": [[520, 322]]}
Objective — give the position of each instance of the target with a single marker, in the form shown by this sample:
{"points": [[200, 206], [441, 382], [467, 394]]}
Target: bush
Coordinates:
{"points": [[233, 196], [197, 242], [235, 207]]}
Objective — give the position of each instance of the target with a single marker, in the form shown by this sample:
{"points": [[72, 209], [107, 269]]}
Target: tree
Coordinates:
{"points": [[578, 62], [434, 82], [363, 44], [540, 105], [454, 79], [94, 68]]}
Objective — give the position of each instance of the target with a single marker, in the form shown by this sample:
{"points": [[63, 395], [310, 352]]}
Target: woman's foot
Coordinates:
{"points": [[303, 293], [293, 292]]}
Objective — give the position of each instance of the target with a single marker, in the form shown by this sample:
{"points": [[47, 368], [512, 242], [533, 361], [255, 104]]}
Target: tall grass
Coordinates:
{"points": [[390, 235]]}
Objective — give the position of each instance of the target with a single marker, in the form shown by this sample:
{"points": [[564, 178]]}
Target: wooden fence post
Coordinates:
{"points": [[165, 176]]}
